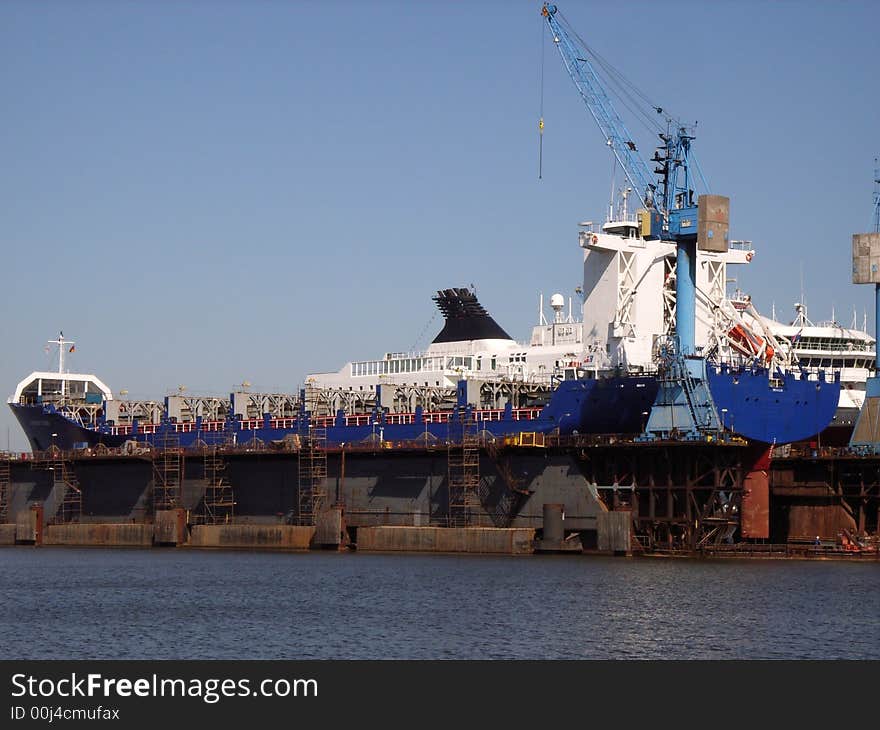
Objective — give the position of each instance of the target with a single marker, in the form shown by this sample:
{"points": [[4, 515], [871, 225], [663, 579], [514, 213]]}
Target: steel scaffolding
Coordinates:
{"points": [[167, 473], [70, 507], [219, 500], [682, 496], [5, 479], [463, 473], [312, 464]]}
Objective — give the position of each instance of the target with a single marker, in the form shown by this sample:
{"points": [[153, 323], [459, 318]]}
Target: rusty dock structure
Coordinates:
{"points": [[521, 495]]}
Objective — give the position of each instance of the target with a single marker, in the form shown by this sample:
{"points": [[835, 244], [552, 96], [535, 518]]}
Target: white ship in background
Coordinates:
{"points": [[830, 346]]}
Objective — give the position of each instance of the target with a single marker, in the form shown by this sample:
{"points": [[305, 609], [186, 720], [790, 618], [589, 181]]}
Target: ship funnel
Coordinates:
{"points": [[466, 319]]}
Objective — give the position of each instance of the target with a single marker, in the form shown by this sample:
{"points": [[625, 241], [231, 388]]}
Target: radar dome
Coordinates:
{"points": [[557, 301]]}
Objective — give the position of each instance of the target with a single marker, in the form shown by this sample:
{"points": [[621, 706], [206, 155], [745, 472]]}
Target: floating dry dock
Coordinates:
{"points": [[532, 493]]}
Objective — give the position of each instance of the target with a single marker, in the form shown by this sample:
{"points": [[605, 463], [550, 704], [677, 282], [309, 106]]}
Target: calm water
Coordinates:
{"points": [[175, 604]]}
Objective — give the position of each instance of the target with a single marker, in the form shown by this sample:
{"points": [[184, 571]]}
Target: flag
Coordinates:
{"points": [[72, 348], [797, 335]]}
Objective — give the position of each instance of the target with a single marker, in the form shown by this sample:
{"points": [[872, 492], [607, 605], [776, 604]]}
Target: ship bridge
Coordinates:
{"points": [[60, 388]]}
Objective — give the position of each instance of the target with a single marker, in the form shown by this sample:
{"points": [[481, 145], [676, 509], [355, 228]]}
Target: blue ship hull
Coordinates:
{"points": [[748, 403], [607, 405], [782, 410], [45, 427]]}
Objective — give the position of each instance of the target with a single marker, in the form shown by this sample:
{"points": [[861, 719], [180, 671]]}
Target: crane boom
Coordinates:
{"points": [[670, 197], [574, 56]]}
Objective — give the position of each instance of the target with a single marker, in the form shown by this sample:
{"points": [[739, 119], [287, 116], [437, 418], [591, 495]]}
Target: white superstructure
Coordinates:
{"points": [[629, 293], [628, 312], [555, 345]]}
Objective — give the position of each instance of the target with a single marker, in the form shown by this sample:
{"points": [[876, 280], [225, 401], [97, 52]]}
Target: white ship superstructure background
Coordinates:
{"points": [[830, 346]]}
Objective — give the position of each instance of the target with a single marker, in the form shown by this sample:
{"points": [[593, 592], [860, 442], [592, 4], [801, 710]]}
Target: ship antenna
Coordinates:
{"points": [[61, 342], [803, 301]]}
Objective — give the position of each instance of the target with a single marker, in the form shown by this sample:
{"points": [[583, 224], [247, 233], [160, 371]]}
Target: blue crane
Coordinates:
{"points": [[669, 197], [668, 200]]}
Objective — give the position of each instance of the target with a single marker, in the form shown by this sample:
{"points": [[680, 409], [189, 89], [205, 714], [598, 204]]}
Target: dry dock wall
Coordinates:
{"points": [[99, 535], [808, 520], [169, 527], [29, 526], [278, 537], [7, 534], [613, 535], [400, 489], [486, 540], [382, 487]]}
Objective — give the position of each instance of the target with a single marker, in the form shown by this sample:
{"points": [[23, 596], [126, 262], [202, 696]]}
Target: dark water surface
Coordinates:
{"points": [[61, 603]]}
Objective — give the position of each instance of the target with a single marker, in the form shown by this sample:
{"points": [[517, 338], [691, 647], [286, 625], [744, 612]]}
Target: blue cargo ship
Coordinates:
{"points": [[473, 372]]}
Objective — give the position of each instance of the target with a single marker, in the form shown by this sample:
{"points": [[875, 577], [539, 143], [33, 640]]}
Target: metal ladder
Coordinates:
{"points": [[312, 475], [219, 500], [5, 484], [167, 473], [463, 473], [697, 397]]}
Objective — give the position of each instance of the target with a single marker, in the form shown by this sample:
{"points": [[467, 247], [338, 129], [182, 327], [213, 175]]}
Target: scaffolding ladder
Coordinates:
{"points": [[5, 482], [167, 473], [70, 508], [463, 476], [312, 475], [219, 499]]}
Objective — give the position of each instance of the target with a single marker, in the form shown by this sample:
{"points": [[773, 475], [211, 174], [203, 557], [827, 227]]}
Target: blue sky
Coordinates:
{"points": [[203, 193]]}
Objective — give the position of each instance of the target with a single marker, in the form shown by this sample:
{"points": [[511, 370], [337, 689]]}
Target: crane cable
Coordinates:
{"points": [[542, 54], [631, 96], [627, 93], [615, 77]]}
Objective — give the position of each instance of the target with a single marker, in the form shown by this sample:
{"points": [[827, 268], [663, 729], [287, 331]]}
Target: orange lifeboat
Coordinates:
{"points": [[748, 342]]}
